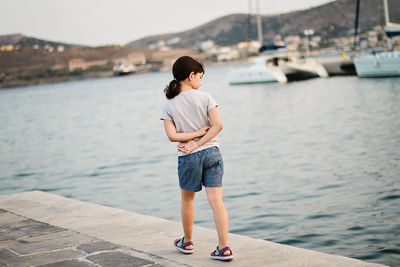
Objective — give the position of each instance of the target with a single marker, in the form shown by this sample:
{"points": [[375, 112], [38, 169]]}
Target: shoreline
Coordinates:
{"points": [[57, 79], [16, 83]]}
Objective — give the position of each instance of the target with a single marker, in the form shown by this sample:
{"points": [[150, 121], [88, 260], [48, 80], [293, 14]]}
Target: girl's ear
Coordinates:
{"points": [[191, 75]]}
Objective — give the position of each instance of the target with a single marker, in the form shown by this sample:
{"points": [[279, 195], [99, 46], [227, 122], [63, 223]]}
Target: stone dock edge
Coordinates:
{"points": [[43, 229]]}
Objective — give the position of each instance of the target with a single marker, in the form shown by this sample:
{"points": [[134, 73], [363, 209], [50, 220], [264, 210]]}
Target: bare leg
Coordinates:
{"points": [[214, 196], [187, 213]]}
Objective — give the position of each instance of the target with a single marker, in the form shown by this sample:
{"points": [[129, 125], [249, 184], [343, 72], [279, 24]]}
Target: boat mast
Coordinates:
{"points": [[356, 25], [249, 24], [259, 24], [387, 21], [386, 11]]}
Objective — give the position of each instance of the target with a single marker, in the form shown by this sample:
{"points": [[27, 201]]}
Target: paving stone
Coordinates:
{"points": [[69, 263], [61, 234], [7, 218], [7, 236], [6, 256], [116, 258], [48, 242], [26, 228], [7, 244], [97, 246], [40, 258]]}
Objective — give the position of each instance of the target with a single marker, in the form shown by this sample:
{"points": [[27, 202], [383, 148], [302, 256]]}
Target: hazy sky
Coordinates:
{"points": [[101, 22]]}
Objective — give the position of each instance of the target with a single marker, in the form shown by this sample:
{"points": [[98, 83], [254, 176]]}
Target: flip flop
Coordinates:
{"points": [[179, 245], [220, 256]]}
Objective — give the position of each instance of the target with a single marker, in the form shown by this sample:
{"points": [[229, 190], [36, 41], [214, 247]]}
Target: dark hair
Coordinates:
{"points": [[181, 69]]}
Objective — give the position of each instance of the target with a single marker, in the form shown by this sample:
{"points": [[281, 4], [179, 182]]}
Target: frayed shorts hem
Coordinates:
{"points": [[198, 190]]}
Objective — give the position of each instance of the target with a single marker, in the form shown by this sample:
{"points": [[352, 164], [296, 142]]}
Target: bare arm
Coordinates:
{"points": [[174, 136], [216, 127]]}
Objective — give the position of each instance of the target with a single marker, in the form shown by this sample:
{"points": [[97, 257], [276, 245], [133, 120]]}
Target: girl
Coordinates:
{"points": [[191, 118]]}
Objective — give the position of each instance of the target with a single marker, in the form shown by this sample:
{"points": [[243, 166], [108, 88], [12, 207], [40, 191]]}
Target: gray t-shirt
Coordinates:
{"points": [[189, 112]]}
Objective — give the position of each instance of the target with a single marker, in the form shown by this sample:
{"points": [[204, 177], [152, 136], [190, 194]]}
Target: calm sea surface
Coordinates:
{"points": [[314, 164]]}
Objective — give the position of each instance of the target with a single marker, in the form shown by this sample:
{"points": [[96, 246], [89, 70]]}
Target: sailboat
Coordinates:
{"points": [[381, 64]]}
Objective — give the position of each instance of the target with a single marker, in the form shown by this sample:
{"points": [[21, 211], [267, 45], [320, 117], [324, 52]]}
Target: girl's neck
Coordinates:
{"points": [[185, 86]]}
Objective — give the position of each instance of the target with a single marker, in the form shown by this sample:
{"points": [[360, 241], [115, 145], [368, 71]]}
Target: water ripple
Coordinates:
{"points": [[390, 197], [242, 195], [333, 186], [320, 216], [25, 174]]}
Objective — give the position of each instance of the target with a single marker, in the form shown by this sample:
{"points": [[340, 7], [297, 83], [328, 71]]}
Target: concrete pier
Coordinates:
{"points": [[42, 229]]}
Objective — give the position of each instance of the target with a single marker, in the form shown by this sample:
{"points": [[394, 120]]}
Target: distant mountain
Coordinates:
{"points": [[334, 19], [25, 41]]}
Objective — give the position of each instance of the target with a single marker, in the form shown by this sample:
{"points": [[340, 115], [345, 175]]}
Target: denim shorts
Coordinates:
{"points": [[204, 167]]}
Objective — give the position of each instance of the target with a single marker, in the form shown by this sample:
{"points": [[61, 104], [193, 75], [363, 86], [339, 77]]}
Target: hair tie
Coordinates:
{"points": [[175, 79]]}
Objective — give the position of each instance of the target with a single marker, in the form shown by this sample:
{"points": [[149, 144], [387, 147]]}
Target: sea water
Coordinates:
{"points": [[313, 164]]}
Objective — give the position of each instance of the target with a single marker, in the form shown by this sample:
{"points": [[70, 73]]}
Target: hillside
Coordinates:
{"points": [[35, 60], [26, 41], [334, 19], [32, 62]]}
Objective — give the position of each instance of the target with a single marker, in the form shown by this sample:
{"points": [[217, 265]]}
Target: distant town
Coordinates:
{"points": [[23, 65]]}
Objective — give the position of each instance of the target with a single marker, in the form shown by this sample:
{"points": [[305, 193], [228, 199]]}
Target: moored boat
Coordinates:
{"points": [[277, 67], [123, 69], [384, 64], [381, 64], [262, 69]]}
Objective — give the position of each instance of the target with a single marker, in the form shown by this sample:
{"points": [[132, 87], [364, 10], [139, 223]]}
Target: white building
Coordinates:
{"points": [[60, 48], [207, 45]]}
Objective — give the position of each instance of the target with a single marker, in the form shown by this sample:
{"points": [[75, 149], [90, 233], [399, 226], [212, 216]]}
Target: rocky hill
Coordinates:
{"points": [[334, 19], [26, 41]]}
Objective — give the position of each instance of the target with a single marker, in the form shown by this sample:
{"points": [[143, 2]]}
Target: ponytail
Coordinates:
{"points": [[173, 89]]}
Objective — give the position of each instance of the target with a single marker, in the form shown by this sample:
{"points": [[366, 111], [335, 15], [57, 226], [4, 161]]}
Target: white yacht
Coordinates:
{"points": [[277, 68], [123, 68], [384, 64], [260, 70], [298, 68], [381, 64]]}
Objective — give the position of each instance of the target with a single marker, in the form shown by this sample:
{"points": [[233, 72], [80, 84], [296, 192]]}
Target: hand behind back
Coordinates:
{"points": [[188, 147], [192, 145]]}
